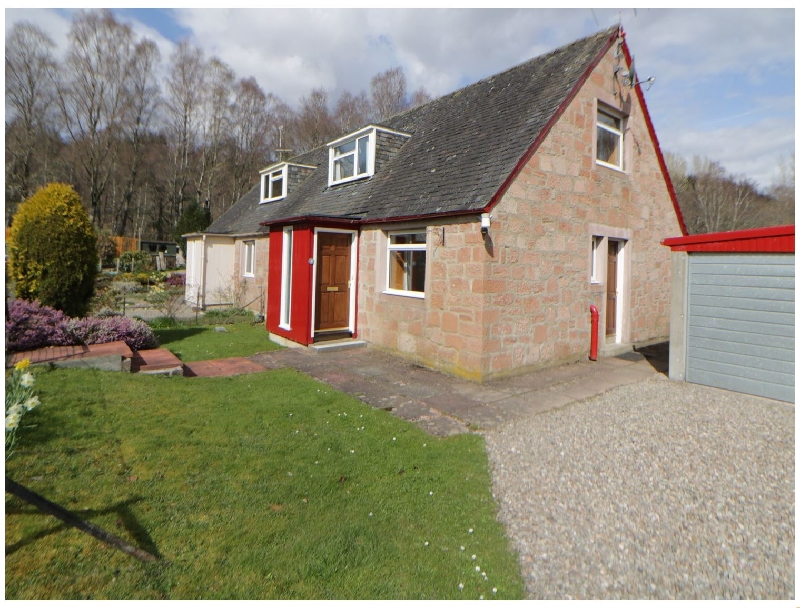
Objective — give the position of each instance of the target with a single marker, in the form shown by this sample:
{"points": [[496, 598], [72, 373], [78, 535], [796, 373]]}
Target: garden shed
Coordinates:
{"points": [[732, 316]]}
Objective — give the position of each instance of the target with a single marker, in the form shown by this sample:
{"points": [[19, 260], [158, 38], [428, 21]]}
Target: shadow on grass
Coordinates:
{"points": [[125, 520], [167, 336]]}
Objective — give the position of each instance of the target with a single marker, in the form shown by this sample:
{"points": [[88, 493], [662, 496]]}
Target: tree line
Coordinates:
{"points": [[713, 200], [142, 149]]}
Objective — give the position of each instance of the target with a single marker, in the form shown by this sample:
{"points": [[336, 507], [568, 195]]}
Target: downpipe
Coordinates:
{"points": [[595, 330]]}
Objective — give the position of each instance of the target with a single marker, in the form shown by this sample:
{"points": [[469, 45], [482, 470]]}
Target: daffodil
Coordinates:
{"points": [[31, 403], [19, 366], [12, 421], [26, 380]]}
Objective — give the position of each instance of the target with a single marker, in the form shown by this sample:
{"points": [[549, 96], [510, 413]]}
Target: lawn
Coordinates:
{"points": [[262, 486], [201, 343]]}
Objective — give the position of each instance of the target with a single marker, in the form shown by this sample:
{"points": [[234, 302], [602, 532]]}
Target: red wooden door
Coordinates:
{"points": [[611, 288], [332, 309]]}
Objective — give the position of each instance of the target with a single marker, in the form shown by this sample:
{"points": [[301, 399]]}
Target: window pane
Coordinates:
{"points": [[607, 119], [608, 147], [417, 238], [345, 148], [343, 168], [277, 187], [416, 280], [407, 270], [397, 269], [362, 155]]}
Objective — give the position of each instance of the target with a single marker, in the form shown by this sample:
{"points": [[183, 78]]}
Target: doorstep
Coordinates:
{"points": [[336, 345]]}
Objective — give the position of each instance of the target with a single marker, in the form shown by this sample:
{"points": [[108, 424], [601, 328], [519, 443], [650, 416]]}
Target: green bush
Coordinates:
{"points": [[136, 261], [52, 250]]}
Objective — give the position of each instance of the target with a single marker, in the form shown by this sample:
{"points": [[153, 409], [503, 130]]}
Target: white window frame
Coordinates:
{"points": [[286, 278], [595, 275], [271, 176], [619, 133], [405, 247], [333, 156], [249, 259]]}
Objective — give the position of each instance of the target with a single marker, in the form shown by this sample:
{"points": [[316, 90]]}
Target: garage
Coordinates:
{"points": [[732, 317]]}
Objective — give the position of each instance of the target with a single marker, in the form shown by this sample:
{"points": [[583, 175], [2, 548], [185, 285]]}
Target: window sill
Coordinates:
{"points": [[271, 200], [284, 327], [616, 168], [248, 276], [355, 178], [407, 294]]}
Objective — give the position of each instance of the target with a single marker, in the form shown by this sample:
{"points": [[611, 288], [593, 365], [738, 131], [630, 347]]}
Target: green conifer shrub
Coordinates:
{"points": [[52, 250]]}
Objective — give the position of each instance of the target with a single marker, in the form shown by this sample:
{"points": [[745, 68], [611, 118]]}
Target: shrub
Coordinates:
{"points": [[92, 330], [30, 325], [176, 280], [52, 250], [136, 261]]}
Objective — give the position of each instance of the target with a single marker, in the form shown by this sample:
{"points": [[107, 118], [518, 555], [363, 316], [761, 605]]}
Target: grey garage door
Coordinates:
{"points": [[741, 323]]}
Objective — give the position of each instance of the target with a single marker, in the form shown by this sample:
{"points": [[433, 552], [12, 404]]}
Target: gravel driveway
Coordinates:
{"points": [[652, 490]]}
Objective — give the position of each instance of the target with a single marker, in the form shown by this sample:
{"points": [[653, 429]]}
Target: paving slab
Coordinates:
{"points": [[443, 404]]}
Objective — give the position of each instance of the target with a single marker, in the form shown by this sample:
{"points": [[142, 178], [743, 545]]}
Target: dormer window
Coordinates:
{"points": [[352, 157], [273, 184]]}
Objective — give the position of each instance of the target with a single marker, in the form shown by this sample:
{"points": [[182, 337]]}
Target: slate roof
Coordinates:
{"points": [[463, 146]]}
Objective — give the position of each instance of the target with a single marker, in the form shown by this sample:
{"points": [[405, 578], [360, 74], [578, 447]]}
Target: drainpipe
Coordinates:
{"points": [[595, 329], [201, 294]]}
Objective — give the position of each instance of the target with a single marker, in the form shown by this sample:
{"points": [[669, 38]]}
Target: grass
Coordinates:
{"points": [[202, 343], [268, 486]]}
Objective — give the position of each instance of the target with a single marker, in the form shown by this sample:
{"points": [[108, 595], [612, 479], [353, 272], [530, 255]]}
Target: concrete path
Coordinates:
{"points": [[445, 405]]}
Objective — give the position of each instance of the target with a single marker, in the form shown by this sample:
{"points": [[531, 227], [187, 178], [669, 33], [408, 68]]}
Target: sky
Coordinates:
{"points": [[724, 78]]}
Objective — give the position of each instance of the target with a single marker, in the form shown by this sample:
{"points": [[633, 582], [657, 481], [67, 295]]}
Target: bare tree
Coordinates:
{"points": [[92, 91], [30, 68], [420, 97], [711, 199], [183, 98], [351, 112], [252, 121], [388, 93], [142, 100], [313, 125], [214, 123]]}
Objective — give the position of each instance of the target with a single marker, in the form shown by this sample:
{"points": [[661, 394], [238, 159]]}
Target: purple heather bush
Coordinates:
{"points": [[30, 325], [92, 330], [176, 280]]}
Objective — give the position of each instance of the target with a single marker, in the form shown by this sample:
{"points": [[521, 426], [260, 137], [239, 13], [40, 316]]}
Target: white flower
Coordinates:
{"points": [[394, 438], [26, 380], [424, 445], [370, 514], [477, 568], [462, 548], [352, 451], [470, 530], [461, 586], [430, 493], [494, 589], [480, 598], [12, 420], [425, 543], [31, 403]]}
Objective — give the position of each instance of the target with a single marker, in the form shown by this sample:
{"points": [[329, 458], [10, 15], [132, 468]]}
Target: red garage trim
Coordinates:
{"points": [[776, 239]]}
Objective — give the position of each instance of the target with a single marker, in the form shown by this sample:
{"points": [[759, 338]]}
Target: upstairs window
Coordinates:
{"points": [[352, 158], [610, 129], [407, 262], [273, 185]]}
